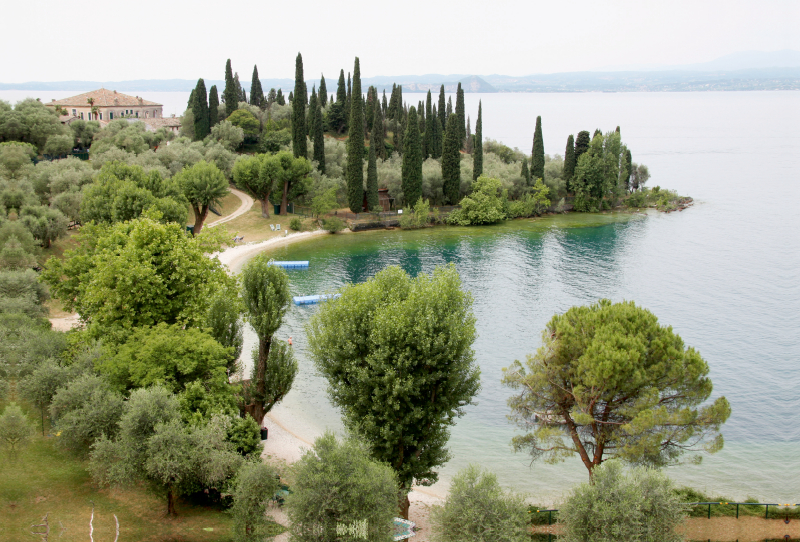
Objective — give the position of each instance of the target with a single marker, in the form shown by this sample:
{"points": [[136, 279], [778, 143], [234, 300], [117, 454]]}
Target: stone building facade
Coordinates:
{"points": [[106, 105]]}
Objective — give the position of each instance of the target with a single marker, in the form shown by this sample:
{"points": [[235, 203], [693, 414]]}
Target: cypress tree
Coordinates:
{"points": [[349, 101], [323, 92], [470, 144], [462, 134], [379, 132], [430, 131], [451, 162], [291, 96], [319, 138], [537, 155], [383, 103], [525, 173], [256, 92], [581, 144], [436, 151], [355, 146], [442, 109], [213, 106], [412, 161], [628, 165], [200, 111], [372, 173], [279, 98], [597, 132], [238, 86], [369, 107], [477, 157], [341, 90], [230, 95], [312, 112], [449, 109], [391, 111], [299, 144], [569, 160], [190, 103]]}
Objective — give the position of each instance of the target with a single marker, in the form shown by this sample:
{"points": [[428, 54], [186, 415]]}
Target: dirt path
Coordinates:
{"points": [[247, 203]]}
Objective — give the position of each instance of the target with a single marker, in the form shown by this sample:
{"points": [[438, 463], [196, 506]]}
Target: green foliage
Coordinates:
{"points": [[319, 138], [397, 354], [355, 146], [333, 224], [16, 158], [202, 126], [58, 145], [484, 206], [224, 324], [609, 381], [245, 435], [15, 430], [213, 106], [451, 161], [460, 117], [531, 204], [256, 92], [45, 223], [341, 493], [296, 224], [30, 122], [275, 140], [279, 371], [504, 152], [582, 144], [17, 247], [41, 385], [228, 134], [415, 217], [204, 186], [231, 94], [569, 159], [373, 201], [537, 154], [478, 510], [84, 131], [640, 506], [412, 159], [324, 203], [131, 137], [254, 486], [248, 122], [299, 129]]}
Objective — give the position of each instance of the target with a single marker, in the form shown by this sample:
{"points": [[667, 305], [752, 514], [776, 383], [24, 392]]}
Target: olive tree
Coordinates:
{"points": [[204, 185], [641, 506], [397, 354], [14, 429], [255, 485], [609, 381]]}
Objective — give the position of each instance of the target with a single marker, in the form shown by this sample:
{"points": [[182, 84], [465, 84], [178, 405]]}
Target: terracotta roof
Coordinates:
{"points": [[166, 121], [103, 98]]}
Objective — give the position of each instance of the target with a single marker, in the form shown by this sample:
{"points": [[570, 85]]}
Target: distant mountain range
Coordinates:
{"points": [[748, 70]]}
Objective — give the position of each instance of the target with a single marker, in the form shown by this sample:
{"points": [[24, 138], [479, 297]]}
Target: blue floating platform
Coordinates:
{"points": [[313, 299], [292, 265]]}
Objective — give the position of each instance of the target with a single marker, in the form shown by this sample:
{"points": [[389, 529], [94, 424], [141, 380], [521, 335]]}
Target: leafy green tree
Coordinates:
{"points": [[477, 156], [40, 386], [355, 146], [265, 292], [582, 144], [372, 177], [258, 176], [525, 173], [626, 181], [478, 510], [205, 186], [228, 134], [640, 506], [254, 487], [84, 131], [213, 106], [412, 160], [319, 137], [406, 344], [16, 158], [299, 131], [273, 141], [248, 122], [15, 430], [485, 205], [324, 202], [451, 162], [231, 94], [202, 127], [256, 92], [45, 223], [462, 133], [323, 92], [59, 145], [570, 160], [537, 154], [137, 273], [639, 175], [224, 324], [279, 98], [83, 410], [609, 381], [293, 177], [359, 494]]}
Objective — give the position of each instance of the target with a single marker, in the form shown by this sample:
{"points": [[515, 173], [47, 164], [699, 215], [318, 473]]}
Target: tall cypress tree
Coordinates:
{"points": [[436, 152], [299, 144], [213, 106], [349, 101], [449, 109], [537, 156], [384, 103], [462, 133], [240, 97], [451, 161], [279, 98], [628, 165], [569, 161], [312, 112], [379, 132], [256, 92], [412, 160], [391, 111], [477, 156], [430, 131], [323, 92], [319, 138], [372, 172], [442, 109], [525, 172], [469, 146], [355, 146], [581, 144], [230, 95], [291, 96], [200, 111]]}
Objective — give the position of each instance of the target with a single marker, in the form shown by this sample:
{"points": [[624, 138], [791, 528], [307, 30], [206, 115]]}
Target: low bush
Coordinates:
{"points": [[296, 224], [333, 224]]}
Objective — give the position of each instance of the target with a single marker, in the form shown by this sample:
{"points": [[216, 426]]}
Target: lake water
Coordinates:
{"points": [[724, 274]]}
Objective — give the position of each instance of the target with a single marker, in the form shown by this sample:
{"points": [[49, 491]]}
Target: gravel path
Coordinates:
{"points": [[247, 203]]}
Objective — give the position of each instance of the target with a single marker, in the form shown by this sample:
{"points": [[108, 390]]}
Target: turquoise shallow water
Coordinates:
{"points": [[723, 274]]}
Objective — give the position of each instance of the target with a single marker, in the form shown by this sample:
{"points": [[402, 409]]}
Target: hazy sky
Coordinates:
{"points": [[48, 40]]}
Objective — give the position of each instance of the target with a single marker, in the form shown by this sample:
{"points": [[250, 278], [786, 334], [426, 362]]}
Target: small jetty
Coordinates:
{"points": [[313, 299], [292, 265]]}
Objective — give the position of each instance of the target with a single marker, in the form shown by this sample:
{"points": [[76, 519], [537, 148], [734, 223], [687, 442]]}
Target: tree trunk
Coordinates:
{"points": [[404, 503], [200, 215], [259, 387], [285, 196], [265, 207], [171, 503]]}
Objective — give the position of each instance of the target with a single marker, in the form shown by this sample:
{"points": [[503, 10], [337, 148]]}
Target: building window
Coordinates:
{"points": [[137, 114], [101, 116], [81, 115], [74, 111], [147, 114], [110, 115]]}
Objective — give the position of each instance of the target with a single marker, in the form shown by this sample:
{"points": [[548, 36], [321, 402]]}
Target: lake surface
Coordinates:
{"points": [[723, 273]]}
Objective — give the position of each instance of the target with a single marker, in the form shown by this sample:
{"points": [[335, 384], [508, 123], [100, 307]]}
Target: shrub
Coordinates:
{"points": [[415, 217], [296, 224], [484, 206], [255, 485], [333, 224]]}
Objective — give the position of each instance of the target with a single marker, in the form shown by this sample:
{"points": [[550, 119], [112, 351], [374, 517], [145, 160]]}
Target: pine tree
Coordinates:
{"points": [[430, 131], [442, 110], [477, 156], [319, 138], [372, 173], [470, 144], [279, 98], [230, 95], [213, 106], [323, 92], [569, 161], [451, 162], [581, 144], [462, 134], [256, 92], [355, 146], [312, 112], [412, 160], [525, 173], [537, 155], [200, 111], [299, 132]]}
